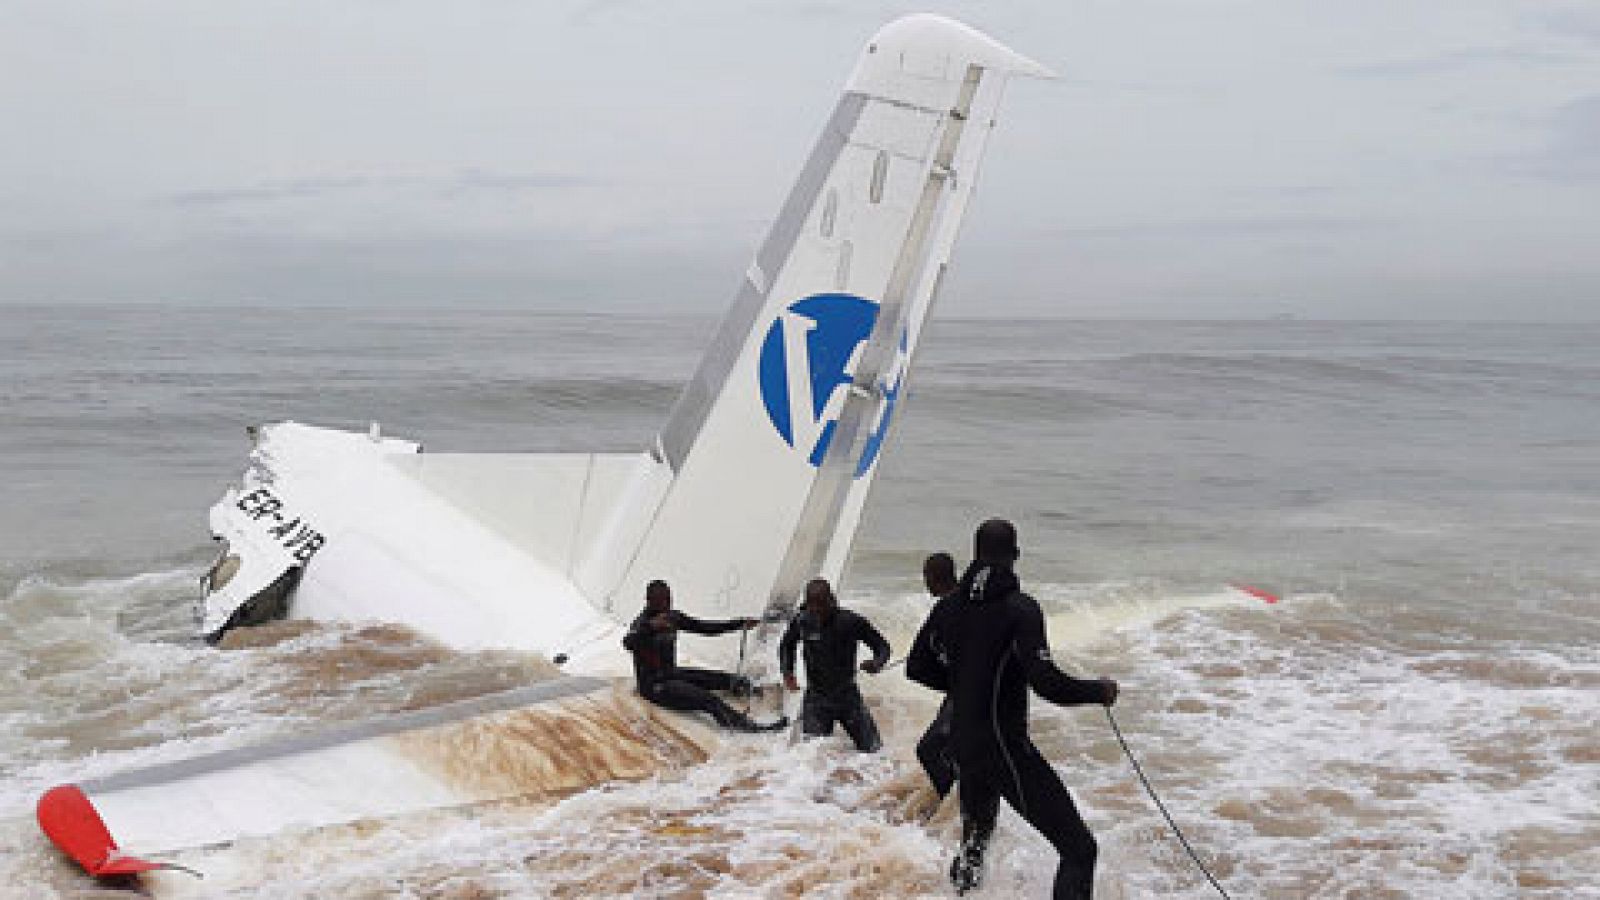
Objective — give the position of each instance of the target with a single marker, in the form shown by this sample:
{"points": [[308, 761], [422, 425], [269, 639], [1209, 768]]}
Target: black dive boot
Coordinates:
{"points": [[966, 870], [738, 721]]}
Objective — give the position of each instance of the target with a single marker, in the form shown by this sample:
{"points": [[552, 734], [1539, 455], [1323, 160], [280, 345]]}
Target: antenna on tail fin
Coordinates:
{"points": [[769, 453]]}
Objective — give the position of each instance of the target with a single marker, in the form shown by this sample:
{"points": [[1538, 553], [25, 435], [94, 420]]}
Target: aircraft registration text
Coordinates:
{"points": [[295, 534]]}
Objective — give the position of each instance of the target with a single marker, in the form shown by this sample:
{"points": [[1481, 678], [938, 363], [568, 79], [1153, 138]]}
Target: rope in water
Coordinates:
{"points": [[1139, 770]]}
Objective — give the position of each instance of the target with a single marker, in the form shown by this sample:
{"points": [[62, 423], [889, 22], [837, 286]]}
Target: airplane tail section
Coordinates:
{"points": [[755, 484], [768, 455]]}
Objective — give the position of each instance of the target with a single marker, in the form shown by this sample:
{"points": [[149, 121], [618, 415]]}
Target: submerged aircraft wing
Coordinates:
{"points": [[543, 739], [755, 484]]}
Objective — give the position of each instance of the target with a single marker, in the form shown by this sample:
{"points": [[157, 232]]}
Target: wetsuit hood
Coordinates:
{"points": [[987, 582]]}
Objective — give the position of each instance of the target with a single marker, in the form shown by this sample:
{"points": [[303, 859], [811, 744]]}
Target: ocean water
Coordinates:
{"points": [[1416, 718]]}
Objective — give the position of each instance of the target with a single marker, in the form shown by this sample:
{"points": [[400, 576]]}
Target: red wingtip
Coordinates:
{"points": [[1256, 592], [73, 824]]}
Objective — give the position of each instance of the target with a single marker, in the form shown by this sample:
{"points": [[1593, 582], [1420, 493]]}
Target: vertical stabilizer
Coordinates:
{"points": [[768, 455]]}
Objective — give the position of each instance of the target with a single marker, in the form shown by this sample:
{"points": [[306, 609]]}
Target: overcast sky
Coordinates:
{"points": [[1198, 158]]}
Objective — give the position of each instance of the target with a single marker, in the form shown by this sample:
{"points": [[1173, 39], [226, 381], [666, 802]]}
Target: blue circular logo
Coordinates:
{"points": [[808, 359]]}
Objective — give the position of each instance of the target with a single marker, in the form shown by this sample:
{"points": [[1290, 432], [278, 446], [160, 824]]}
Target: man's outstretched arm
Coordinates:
{"points": [[686, 622], [1033, 652]]}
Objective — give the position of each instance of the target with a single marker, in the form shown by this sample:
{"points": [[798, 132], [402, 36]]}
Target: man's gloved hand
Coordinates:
{"points": [[1111, 691], [748, 623], [872, 667], [791, 682]]}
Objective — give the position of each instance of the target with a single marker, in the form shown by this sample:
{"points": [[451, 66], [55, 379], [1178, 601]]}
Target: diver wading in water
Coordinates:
{"points": [[984, 645], [830, 635], [653, 641], [934, 750]]}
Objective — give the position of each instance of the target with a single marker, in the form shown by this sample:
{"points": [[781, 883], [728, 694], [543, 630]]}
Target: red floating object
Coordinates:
{"points": [[1256, 592]]}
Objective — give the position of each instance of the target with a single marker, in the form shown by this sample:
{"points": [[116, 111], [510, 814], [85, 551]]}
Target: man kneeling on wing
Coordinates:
{"points": [[653, 641]]}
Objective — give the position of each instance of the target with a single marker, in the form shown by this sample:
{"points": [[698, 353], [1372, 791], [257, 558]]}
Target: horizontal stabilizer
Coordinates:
{"points": [[549, 505], [474, 550]]}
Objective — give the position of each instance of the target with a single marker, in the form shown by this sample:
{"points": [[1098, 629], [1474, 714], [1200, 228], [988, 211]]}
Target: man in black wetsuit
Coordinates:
{"points": [[830, 635], [934, 750], [653, 641], [985, 645]]}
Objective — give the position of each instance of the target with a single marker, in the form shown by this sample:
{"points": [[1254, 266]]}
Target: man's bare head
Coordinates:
{"points": [[820, 602], [995, 543], [939, 574], [657, 596]]}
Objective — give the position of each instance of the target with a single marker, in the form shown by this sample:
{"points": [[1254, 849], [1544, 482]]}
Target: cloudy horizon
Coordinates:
{"points": [[1229, 159]]}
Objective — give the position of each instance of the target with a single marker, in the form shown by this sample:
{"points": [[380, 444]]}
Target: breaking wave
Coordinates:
{"points": [[1306, 749]]}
